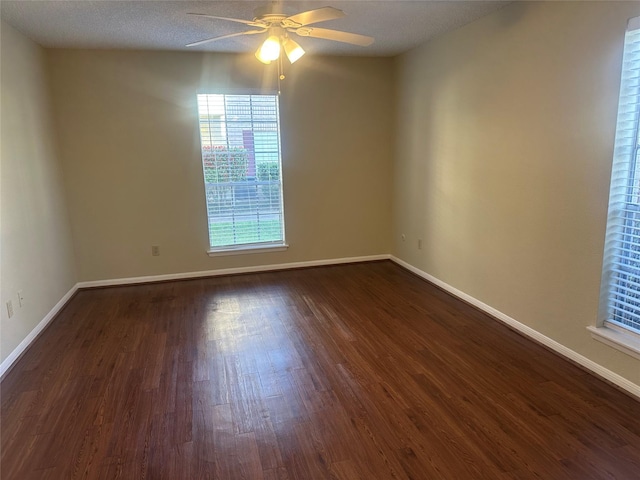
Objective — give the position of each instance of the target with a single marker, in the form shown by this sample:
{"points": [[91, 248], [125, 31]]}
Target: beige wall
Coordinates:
{"points": [[36, 250], [504, 149], [127, 125]]}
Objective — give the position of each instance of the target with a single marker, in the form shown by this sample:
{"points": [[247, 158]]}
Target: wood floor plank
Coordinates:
{"points": [[347, 372]]}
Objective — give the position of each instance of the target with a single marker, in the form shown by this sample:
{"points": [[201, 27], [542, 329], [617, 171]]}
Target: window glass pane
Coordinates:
{"points": [[240, 139]]}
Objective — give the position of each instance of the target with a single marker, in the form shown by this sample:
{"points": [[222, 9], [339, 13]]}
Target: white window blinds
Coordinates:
{"points": [[621, 274], [240, 139]]}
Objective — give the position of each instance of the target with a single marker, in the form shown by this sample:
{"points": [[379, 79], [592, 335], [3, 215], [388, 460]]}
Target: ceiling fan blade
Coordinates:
{"points": [[316, 16], [248, 32], [251, 23], [336, 35]]}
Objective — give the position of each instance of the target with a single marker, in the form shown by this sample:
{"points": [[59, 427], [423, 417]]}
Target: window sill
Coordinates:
{"points": [[280, 247], [626, 342]]}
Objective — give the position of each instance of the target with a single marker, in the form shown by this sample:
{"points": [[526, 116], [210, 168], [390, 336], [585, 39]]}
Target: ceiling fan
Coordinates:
{"points": [[278, 25]]}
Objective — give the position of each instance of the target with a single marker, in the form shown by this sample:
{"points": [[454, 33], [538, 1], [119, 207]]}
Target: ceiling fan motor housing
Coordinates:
{"points": [[272, 10]]}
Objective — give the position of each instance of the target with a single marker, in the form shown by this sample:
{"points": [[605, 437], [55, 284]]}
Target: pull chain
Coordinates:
{"points": [[280, 73]]}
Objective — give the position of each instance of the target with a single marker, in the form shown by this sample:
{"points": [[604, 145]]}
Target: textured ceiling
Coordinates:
{"points": [[396, 25]]}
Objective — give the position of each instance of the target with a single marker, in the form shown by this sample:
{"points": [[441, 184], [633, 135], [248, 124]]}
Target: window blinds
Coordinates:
{"points": [[621, 275], [240, 139]]}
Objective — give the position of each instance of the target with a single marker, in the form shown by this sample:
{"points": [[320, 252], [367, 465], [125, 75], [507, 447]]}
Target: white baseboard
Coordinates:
{"points": [[596, 368], [229, 271], [26, 343]]}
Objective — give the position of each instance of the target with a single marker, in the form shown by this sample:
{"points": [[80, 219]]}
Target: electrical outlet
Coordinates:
{"points": [[10, 309], [21, 298], [155, 250], [419, 244]]}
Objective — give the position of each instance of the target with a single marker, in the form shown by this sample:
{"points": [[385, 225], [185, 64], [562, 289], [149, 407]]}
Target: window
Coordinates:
{"points": [[621, 275], [240, 140]]}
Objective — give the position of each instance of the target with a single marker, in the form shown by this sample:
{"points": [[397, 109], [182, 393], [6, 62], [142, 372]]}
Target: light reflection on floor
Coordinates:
{"points": [[246, 355]]}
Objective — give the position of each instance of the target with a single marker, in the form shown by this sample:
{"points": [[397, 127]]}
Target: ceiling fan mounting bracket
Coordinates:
{"points": [[272, 10]]}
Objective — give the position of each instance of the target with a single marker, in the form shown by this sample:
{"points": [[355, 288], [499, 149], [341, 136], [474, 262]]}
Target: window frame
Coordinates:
{"points": [[622, 242], [248, 247]]}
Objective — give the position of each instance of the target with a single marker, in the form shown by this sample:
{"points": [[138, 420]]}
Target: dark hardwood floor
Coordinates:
{"points": [[347, 372]]}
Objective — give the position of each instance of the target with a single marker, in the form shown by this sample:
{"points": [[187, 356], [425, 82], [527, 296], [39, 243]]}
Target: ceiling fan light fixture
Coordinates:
{"points": [[266, 62], [293, 50], [273, 20], [269, 50]]}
